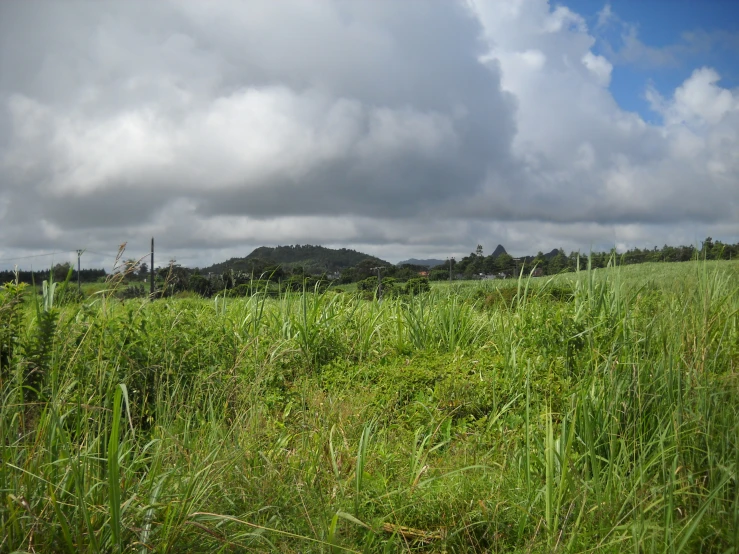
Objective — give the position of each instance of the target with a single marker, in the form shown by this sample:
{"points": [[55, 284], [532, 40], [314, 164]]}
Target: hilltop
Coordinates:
{"points": [[426, 263], [313, 259]]}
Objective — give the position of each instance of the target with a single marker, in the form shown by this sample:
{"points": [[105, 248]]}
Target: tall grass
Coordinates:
{"points": [[591, 412]]}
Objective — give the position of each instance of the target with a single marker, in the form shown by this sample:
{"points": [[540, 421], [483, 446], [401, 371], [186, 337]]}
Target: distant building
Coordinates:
{"points": [[423, 273]]}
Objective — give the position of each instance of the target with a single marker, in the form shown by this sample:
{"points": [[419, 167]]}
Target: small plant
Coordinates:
{"points": [[39, 347], [11, 318]]}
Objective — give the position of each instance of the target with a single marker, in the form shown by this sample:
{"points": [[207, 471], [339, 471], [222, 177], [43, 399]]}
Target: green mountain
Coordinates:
{"points": [[313, 259]]}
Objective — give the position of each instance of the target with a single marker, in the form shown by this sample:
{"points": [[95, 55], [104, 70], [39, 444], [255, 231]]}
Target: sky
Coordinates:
{"points": [[401, 129]]}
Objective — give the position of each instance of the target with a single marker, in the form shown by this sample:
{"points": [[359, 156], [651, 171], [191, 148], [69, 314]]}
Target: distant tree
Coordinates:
{"points": [[505, 263], [685, 253], [173, 278], [130, 267], [540, 262], [274, 273], [365, 268], [558, 263], [440, 272], [60, 271], [201, 285], [653, 255], [478, 251], [488, 264], [574, 259], [349, 275]]}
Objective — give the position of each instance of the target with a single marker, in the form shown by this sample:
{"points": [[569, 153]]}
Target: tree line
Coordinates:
{"points": [[263, 274], [58, 272], [557, 261]]}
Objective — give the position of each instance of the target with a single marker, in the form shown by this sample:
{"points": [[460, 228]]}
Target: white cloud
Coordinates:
{"points": [[402, 128], [605, 16], [699, 100], [585, 158], [599, 66]]}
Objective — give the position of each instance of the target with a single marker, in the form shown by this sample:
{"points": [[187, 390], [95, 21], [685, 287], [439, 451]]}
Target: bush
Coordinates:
{"points": [[369, 287], [417, 286], [369, 284], [201, 285]]}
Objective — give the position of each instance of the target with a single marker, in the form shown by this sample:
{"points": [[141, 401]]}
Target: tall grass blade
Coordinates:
{"points": [[114, 484]]}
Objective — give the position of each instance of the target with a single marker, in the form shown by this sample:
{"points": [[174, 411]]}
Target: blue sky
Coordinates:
{"points": [[670, 39]]}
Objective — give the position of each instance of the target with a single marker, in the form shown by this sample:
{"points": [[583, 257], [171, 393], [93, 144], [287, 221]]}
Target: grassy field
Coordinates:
{"points": [[591, 412]]}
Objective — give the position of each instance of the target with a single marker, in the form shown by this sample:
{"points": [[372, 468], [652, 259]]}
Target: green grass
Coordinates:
{"points": [[589, 412]]}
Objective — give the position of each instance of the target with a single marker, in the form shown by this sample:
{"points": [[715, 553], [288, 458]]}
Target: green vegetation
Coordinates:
{"points": [[596, 411], [293, 268], [557, 261]]}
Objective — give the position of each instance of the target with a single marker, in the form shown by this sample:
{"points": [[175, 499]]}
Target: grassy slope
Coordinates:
{"points": [[598, 412]]}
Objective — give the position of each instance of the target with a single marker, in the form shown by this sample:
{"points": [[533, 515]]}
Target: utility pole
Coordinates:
{"points": [[450, 268], [79, 282], [151, 272], [379, 282]]}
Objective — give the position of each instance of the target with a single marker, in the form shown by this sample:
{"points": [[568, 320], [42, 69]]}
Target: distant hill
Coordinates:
{"points": [[313, 259], [426, 263], [435, 263]]}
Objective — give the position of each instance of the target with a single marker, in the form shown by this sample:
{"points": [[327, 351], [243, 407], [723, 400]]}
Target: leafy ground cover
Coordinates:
{"points": [[590, 412]]}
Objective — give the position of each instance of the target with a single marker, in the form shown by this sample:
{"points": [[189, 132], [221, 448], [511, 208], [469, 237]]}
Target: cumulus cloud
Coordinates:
{"points": [[402, 129], [581, 157], [698, 101]]}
